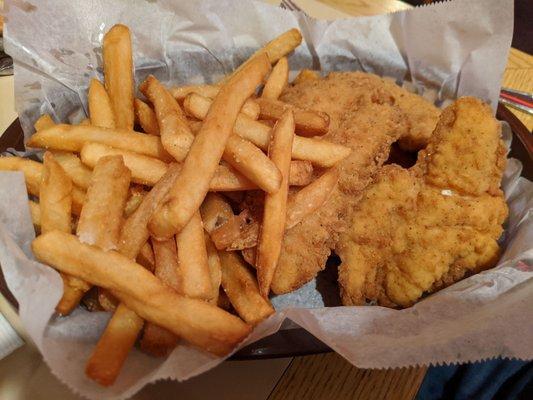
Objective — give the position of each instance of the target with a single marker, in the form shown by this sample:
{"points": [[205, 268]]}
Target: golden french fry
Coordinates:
{"points": [[308, 123], [118, 74], [146, 117], [235, 231], [277, 80], [135, 199], [144, 170], [146, 257], [101, 215], [250, 161], [306, 75], [201, 162], [176, 136], [134, 233], [310, 198], [215, 269], [275, 49], [32, 171], [301, 173], [251, 108], [180, 92], [215, 211], [55, 206], [106, 300], [44, 121], [193, 272], [196, 321], [35, 212], [73, 137], [71, 163], [239, 234], [156, 340], [108, 357], [241, 287], [275, 208], [100, 108], [55, 196], [319, 152]]}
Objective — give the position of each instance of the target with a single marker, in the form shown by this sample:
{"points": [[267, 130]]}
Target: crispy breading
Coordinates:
{"points": [[417, 230], [364, 116]]}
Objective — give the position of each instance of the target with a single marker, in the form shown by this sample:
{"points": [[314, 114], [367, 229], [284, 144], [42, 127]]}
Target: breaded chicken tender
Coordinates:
{"points": [[417, 230], [364, 115]]}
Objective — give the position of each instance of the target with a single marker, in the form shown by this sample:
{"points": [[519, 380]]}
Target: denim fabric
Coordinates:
{"points": [[495, 379]]}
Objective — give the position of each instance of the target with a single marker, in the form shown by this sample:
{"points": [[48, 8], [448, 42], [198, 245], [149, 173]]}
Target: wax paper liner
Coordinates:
{"points": [[449, 49]]}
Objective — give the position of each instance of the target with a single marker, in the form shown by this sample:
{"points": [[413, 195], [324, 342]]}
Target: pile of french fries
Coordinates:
{"points": [[156, 242]]}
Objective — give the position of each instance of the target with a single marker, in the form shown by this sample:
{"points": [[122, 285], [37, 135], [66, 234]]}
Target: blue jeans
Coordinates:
{"points": [[495, 379]]}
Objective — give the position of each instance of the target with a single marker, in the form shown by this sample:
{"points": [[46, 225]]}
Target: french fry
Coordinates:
{"points": [[35, 212], [196, 321], [277, 81], [146, 257], [148, 170], [251, 108], [176, 135], [55, 207], [206, 151], [100, 108], [215, 211], [246, 157], [275, 207], [144, 170], [55, 196], [275, 49], [241, 287], [72, 165], [107, 301], [146, 117], [215, 269], [32, 171], [308, 123], [135, 199], [101, 215], [180, 92], [250, 161], [134, 233], [306, 75], [73, 137], [310, 198], [156, 340], [238, 234], [194, 279], [320, 152], [44, 121], [108, 357], [301, 173], [118, 73]]}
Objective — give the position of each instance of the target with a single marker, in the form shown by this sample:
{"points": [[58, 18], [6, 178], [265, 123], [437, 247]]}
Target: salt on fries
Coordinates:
{"points": [[153, 235]]}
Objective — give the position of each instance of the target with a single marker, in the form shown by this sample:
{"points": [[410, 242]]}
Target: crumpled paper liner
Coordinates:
{"points": [[455, 48]]}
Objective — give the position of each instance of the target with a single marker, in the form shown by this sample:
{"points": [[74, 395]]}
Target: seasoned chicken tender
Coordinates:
{"points": [[365, 117], [417, 230]]}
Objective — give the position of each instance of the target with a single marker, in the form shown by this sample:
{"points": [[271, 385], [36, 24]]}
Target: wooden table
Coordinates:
{"points": [[329, 376]]}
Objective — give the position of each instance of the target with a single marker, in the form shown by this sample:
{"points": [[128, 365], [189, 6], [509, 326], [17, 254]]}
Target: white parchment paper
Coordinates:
{"points": [[456, 48]]}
